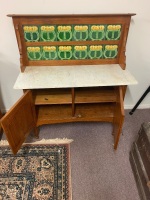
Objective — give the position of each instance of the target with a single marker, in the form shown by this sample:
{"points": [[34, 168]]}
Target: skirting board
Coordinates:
{"points": [[142, 106]]}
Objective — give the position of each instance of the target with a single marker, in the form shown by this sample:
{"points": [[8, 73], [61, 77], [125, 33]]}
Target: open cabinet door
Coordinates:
{"points": [[19, 121]]}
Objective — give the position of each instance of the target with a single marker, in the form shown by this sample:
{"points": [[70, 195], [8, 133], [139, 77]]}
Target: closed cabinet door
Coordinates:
{"points": [[19, 121]]}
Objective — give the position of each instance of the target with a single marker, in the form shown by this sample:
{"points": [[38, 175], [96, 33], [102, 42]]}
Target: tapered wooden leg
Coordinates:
{"points": [[36, 133], [118, 116], [1, 132]]}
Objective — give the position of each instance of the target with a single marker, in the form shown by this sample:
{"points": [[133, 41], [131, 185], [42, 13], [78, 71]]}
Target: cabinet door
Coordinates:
{"points": [[19, 121]]}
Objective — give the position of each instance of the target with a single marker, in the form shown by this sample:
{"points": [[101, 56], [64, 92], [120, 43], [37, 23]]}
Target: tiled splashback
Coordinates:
{"points": [[72, 52], [64, 33], [84, 32]]}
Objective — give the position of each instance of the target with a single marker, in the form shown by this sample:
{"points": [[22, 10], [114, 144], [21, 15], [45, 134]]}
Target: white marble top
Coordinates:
{"points": [[73, 76]]}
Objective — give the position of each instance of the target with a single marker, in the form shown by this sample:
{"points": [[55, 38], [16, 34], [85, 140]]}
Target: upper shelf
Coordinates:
{"points": [[70, 15]]}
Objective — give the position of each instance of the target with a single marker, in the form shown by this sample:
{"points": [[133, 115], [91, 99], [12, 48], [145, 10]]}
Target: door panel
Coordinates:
{"points": [[19, 121]]}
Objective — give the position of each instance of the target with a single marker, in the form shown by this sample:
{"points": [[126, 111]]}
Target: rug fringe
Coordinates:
{"points": [[3, 142], [43, 141], [52, 141]]}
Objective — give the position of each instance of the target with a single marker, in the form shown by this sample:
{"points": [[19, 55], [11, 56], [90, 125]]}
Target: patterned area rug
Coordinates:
{"points": [[37, 172]]}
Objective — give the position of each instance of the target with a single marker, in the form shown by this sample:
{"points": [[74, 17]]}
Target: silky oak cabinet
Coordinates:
{"points": [[73, 69]]}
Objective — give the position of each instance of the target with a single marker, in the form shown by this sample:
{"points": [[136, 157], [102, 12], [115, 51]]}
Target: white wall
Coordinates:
{"points": [[137, 51]]}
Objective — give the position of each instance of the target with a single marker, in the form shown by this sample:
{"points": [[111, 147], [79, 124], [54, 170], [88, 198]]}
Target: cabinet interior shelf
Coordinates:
{"points": [[83, 112], [52, 96], [74, 95], [74, 104]]}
